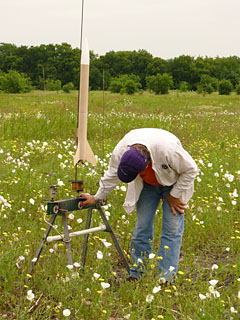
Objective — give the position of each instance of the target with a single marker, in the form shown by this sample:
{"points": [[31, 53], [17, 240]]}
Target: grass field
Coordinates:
{"points": [[37, 136]]}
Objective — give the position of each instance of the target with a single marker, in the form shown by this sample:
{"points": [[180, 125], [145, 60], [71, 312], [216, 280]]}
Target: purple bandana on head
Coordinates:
{"points": [[131, 164]]}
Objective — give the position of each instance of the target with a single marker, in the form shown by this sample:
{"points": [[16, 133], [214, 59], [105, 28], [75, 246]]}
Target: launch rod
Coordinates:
{"points": [[81, 33]]}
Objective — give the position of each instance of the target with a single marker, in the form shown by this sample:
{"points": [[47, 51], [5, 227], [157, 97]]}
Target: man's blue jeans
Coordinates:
{"points": [[142, 239]]}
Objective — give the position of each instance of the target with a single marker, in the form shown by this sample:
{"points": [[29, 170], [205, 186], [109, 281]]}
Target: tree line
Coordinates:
{"points": [[56, 66]]}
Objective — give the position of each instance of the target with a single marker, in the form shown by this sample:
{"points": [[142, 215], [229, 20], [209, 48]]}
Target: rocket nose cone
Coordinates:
{"points": [[85, 52]]}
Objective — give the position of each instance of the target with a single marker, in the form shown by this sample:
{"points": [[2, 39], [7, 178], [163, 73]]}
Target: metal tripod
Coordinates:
{"points": [[58, 208]]}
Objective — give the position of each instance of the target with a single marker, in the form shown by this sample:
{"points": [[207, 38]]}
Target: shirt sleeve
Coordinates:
{"points": [[185, 166], [110, 179]]}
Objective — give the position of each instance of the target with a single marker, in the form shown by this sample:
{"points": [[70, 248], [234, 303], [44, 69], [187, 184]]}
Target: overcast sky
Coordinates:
{"points": [[165, 28]]}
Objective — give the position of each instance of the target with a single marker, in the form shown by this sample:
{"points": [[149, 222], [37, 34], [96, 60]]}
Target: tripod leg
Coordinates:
{"points": [[84, 247], [67, 239], [114, 239], [39, 250]]}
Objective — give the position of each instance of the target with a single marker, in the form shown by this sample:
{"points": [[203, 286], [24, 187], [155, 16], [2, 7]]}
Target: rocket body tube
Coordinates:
{"points": [[84, 151]]}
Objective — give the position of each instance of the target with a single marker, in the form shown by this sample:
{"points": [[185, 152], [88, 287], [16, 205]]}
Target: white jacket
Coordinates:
{"points": [[172, 165]]}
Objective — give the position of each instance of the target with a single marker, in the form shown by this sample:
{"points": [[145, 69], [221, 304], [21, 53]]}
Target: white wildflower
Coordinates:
{"points": [[123, 188], [214, 267], [213, 282], [30, 295], [77, 265], [162, 280], [107, 244], [105, 285], [70, 266], [66, 312], [171, 268], [202, 296], [99, 254], [235, 194], [216, 294], [60, 183], [149, 298], [233, 310], [229, 176], [156, 289], [71, 216]]}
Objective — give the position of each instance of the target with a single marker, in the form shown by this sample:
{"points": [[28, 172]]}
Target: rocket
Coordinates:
{"points": [[84, 151]]}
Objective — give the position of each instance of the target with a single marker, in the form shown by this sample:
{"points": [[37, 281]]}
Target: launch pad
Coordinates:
{"points": [[64, 207]]}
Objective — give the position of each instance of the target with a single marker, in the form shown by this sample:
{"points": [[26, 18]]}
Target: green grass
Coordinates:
{"points": [[37, 136]]}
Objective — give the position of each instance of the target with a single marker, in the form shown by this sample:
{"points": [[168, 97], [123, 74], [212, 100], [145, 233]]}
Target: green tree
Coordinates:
{"points": [[132, 86], [238, 88], [225, 87], [117, 63], [226, 69], [95, 78], [125, 83], [68, 87], [53, 85], [2, 74], [207, 84], [160, 83], [183, 86], [14, 82], [155, 66], [140, 60], [116, 85], [183, 68]]}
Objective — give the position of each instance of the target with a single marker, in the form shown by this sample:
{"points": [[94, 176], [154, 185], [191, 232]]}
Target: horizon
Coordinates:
{"points": [[95, 53]]}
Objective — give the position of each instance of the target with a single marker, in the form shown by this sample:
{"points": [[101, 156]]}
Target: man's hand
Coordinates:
{"points": [[89, 199], [175, 204]]}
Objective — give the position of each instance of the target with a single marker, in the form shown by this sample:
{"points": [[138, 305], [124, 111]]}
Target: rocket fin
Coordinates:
{"points": [[89, 155]]}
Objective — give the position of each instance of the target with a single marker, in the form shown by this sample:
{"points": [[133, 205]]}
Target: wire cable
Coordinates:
{"points": [[81, 34]]}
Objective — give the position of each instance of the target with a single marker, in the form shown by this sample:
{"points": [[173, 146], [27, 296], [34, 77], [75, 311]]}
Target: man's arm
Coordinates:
{"points": [[181, 162], [107, 183]]}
